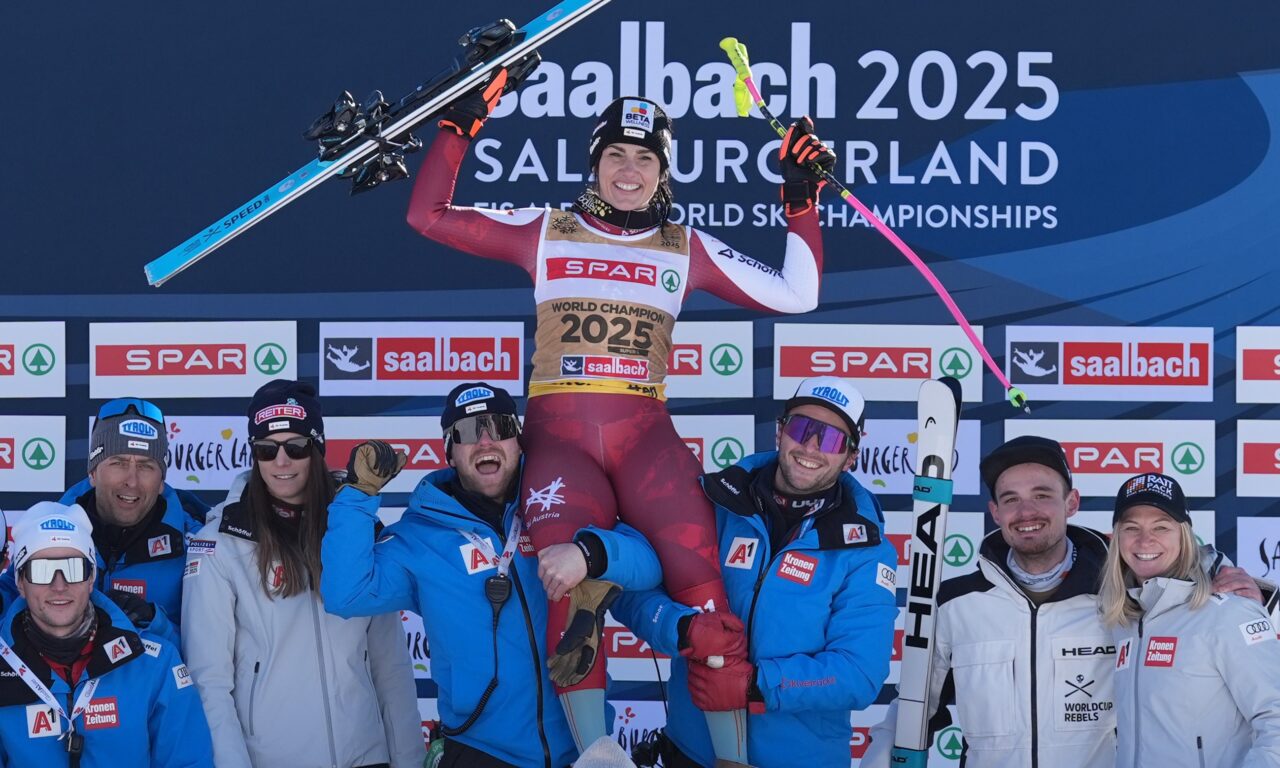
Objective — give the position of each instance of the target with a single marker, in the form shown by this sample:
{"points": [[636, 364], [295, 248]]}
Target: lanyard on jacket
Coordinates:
{"points": [[503, 561], [41, 690]]}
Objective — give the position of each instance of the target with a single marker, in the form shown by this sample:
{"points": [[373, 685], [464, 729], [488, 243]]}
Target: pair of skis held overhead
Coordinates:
{"points": [[367, 143]]}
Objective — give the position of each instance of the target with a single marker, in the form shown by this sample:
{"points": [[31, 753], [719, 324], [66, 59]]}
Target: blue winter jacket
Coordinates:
{"points": [[819, 615], [423, 564], [145, 711]]}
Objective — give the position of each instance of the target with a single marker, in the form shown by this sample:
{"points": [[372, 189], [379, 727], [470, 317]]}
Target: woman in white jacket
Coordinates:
{"points": [[1197, 680], [283, 682]]}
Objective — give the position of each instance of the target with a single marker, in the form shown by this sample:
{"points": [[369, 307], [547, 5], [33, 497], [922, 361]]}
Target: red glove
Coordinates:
{"points": [[724, 689], [714, 634], [801, 150]]}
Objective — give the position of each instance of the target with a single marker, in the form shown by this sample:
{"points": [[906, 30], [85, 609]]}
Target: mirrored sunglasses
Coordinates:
{"points": [[499, 426], [121, 406], [41, 570], [801, 428], [295, 448]]}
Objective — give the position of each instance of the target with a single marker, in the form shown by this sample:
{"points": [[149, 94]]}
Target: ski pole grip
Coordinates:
{"points": [[737, 53]]}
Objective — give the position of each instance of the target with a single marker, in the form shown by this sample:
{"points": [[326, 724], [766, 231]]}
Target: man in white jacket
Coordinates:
{"points": [[1020, 647]]}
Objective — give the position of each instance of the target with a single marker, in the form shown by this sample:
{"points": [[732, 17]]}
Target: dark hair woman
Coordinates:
{"points": [[285, 682]]}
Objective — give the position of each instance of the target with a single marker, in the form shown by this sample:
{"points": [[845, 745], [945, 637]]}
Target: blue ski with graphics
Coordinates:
{"points": [[366, 142]]}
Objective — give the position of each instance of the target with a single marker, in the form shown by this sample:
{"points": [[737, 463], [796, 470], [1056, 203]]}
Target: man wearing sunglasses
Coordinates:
{"points": [[459, 558], [807, 566], [80, 684], [141, 524]]}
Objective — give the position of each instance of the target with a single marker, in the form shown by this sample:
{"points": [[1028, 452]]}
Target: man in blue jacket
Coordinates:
{"points": [[80, 684], [807, 567], [459, 558]]}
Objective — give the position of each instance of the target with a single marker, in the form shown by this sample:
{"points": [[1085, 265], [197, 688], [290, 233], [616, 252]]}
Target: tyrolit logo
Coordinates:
{"points": [[956, 362], [726, 452], [671, 281], [38, 453], [726, 359], [270, 358], [957, 550], [38, 359], [949, 743], [1187, 458]]}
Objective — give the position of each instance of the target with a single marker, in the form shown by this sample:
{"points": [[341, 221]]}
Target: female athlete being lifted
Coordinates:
{"points": [[609, 278]]}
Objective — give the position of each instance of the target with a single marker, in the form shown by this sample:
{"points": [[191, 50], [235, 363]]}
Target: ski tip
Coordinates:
{"points": [[953, 384], [1018, 399]]}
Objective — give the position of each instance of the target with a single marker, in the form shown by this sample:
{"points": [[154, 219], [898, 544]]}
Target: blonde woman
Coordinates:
{"points": [[1197, 680]]}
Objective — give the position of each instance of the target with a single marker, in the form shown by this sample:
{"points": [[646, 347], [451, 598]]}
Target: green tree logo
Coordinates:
{"points": [[956, 362], [38, 359], [1188, 458], [726, 452], [726, 359], [957, 550], [38, 453], [949, 743], [671, 280], [270, 358]]}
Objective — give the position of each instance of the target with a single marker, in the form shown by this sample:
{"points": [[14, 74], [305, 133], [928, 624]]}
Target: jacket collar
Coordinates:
{"points": [[1082, 579], [151, 539], [431, 501], [115, 644], [1160, 595], [837, 527]]}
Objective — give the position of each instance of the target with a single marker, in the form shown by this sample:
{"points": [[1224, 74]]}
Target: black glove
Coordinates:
{"points": [[139, 611], [801, 150], [372, 465], [468, 114]]}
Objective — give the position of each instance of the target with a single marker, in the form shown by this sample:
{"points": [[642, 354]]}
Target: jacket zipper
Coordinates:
{"points": [[1200, 750], [537, 662], [1035, 717], [324, 679], [253, 694], [1137, 721]]}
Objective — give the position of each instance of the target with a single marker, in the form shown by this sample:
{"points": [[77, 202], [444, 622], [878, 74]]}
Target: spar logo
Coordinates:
{"points": [[856, 362], [603, 269], [37, 359], [204, 359], [270, 359], [957, 550], [1261, 458], [688, 360], [425, 455], [449, 358], [38, 453], [624, 644], [1115, 458], [6, 453], [670, 280], [1260, 364], [949, 743]]}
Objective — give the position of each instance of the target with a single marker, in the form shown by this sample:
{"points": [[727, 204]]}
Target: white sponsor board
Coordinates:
{"points": [[885, 362], [717, 441], [1103, 454], [710, 360], [1203, 522], [1258, 458], [419, 358], [33, 359], [887, 457], [1258, 364], [33, 454], [204, 359], [1111, 363], [417, 436], [1258, 546]]}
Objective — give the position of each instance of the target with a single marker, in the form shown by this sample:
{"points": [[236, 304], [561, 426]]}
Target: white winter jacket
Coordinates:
{"points": [[1033, 686], [283, 682], [1197, 688]]}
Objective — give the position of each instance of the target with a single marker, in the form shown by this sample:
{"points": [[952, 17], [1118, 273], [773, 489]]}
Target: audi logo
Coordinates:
{"points": [[1258, 626]]}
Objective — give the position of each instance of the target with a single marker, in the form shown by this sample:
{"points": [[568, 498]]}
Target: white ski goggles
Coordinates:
{"points": [[41, 570]]}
